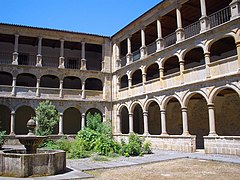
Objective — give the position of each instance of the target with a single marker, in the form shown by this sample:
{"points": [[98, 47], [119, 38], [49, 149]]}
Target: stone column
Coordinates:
{"points": [[61, 89], [144, 79], [235, 9], [61, 58], [130, 123], [207, 62], [129, 53], [145, 121], [14, 86], [38, 88], [104, 87], [185, 121], [180, 31], [211, 120], [204, 20], [12, 126], [143, 49], [83, 90], [118, 125], [39, 55], [181, 62], [129, 83], [159, 41], [117, 55], [15, 50], [83, 60], [60, 131], [163, 122], [83, 121], [161, 70], [238, 53], [103, 57], [104, 117]]}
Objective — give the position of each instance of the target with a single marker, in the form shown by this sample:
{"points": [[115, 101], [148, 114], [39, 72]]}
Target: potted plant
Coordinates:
{"points": [[2, 139]]}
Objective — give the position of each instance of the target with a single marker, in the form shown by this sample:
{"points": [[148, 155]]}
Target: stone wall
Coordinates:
{"points": [[171, 142], [222, 145]]}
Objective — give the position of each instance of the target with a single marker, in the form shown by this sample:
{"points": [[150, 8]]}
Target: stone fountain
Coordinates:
{"points": [[31, 161]]}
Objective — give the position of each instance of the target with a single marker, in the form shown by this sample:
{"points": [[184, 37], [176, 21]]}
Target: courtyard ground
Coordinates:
{"points": [[174, 169]]}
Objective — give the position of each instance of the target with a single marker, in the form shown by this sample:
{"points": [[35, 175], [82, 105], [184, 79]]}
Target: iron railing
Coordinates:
{"points": [[169, 39], [151, 48], [136, 55], [192, 29], [50, 61], [6, 58], [220, 17]]}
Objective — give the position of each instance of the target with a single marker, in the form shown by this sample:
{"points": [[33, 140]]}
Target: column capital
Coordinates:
{"points": [[184, 108], [130, 114], [16, 35], [210, 105], [61, 114], [145, 113], [13, 112], [83, 114], [62, 40], [40, 37]]}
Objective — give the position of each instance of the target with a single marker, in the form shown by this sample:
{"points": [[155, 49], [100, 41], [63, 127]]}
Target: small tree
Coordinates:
{"points": [[46, 117]]}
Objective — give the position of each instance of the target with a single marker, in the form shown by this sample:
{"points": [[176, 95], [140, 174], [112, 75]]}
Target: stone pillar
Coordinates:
{"points": [[61, 89], [104, 117], [60, 131], [83, 121], [15, 50], [130, 123], [129, 53], [185, 121], [207, 62], [235, 9], [104, 87], [181, 62], [61, 58], [118, 124], [163, 122], [204, 20], [103, 57], [12, 126], [211, 120], [83, 60], [159, 41], [238, 53], [180, 31], [129, 83], [38, 88], [117, 55], [39, 55], [145, 121], [14, 86], [161, 70], [144, 79], [83, 90], [143, 49]]}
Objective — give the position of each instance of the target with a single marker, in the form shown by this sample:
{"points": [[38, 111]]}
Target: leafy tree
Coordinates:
{"points": [[46, 117]]}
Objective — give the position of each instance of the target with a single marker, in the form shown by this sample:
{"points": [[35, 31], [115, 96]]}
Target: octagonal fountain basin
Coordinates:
{"points": [[17, 163]]}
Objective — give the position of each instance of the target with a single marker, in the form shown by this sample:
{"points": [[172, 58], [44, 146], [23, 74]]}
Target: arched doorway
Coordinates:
{"points": [[124, 119], [174, 117], [23, 114], [93, 111], [227, 112], [154, 119], [137, 77], [152, 72], [171, 65], [5, 119], [25, 79], [71, 121], [198, 122], [138, 126]]}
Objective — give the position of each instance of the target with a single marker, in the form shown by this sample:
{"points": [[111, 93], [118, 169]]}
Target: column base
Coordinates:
{"points": [[186, 133], [143, 52], [12, 134], [204, 24], [212, 134], [146, 134], [129, 57], [159, 44], [60, 134], [164, 134]]}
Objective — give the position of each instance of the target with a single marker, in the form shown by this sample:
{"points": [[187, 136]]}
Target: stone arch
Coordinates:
{"points": [[49, 81], [124, 81], [198, 121], [71, 120], [26, 79], [137, 77], [23, 114], [171, 65], [123, 112], [138, 126], [6, 78], [72, 82], [154, 117], [5, 118], [93, 84], [152, 71], [167, 99], [227, 111], [172, 105], [222, 48], [194, 57], [188, 96]]}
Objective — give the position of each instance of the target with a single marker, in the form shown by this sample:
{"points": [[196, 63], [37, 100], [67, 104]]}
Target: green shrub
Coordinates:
{"points": [[47, 117], [147, 147], [78, 150], [2, 139]]}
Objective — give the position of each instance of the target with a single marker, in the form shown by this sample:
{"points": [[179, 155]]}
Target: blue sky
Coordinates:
{"points": [[103, 17]]}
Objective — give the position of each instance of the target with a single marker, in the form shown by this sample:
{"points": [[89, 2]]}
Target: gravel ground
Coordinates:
{"points": [[174, 169]]}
